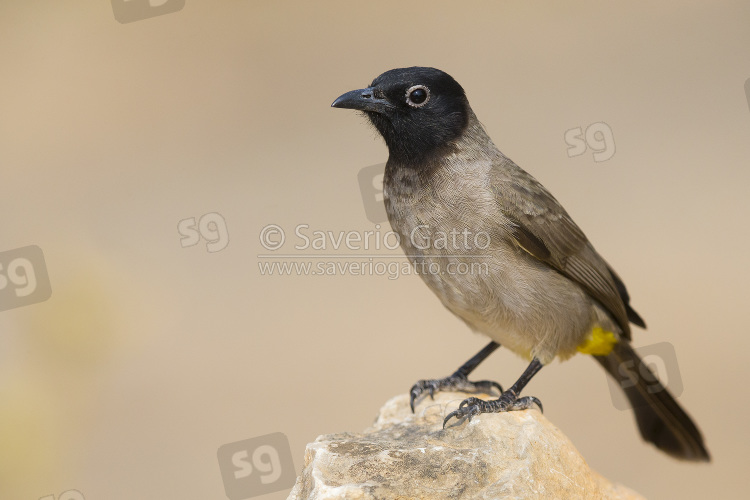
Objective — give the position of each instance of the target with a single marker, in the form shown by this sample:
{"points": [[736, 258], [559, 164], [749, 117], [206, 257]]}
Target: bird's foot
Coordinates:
{"points": [[508, 401], [455, 382]]}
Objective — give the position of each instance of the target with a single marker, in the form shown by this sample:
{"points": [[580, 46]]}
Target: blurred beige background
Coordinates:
{"points": [[149, 356]]}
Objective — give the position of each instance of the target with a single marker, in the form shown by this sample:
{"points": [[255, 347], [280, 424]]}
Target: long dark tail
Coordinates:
{"points": [[660, 418]]}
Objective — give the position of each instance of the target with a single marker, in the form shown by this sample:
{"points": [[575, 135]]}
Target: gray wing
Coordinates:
{"points": [[544, 229]]}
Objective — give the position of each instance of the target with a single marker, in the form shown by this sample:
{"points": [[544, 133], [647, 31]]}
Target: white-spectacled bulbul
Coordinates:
{"points": [[536, 285]]}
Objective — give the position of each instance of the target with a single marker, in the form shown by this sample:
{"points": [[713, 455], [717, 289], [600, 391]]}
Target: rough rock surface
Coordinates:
{"points": [[404, 456]]}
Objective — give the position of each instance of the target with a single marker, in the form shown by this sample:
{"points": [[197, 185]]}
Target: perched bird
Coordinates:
{"points": [[503, 255]]}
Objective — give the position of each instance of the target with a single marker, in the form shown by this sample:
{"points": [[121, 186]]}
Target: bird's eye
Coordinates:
{"points": [[417, 96]]}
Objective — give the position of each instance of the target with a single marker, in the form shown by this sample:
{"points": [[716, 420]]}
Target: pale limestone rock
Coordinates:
{"points": [[404, 456]]}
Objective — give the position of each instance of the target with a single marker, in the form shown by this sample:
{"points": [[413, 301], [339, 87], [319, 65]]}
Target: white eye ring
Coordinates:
{"points": [[412, 89]]}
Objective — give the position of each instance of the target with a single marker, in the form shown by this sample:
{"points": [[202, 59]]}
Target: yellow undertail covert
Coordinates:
{"points": [[600, 342]]}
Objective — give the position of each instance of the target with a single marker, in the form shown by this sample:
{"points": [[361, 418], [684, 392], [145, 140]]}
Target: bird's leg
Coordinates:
{"points": [[458, 381], [508, 400]]}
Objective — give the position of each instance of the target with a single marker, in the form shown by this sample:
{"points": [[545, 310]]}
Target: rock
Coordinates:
{"points": [[405, 456]]}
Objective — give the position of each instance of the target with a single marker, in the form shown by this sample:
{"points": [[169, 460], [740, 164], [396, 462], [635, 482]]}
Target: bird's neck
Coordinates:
{"points": [[473, 145]]}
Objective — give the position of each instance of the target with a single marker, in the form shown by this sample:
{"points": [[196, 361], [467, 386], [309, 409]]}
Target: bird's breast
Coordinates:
{"points": [[455, 234], [451, 229]]}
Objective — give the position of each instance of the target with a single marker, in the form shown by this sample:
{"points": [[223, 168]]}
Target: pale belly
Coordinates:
{"points": [[498, 290]]}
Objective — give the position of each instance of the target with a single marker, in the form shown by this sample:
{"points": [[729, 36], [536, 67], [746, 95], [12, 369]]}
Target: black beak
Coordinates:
{"points": [[363, 100]]}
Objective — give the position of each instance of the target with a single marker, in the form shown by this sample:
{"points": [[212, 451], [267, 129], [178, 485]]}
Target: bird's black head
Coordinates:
{"points": [[418, 111]]}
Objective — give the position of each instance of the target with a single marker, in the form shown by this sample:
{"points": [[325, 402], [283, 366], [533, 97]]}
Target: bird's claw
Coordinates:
{"points": [[508, 401], [452, 383]]}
